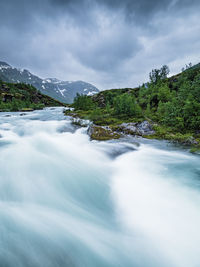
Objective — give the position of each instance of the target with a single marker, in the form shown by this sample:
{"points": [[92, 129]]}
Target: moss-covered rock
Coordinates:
{"points": [[102, 133], [26, 109]]}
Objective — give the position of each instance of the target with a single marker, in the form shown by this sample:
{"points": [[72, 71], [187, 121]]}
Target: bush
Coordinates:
{"points": [[83, 102], [126, 105], [96, 114]]}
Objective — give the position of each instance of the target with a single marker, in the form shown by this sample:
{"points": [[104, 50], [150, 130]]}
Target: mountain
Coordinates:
{"points": [[64, 91], [20, 96]]}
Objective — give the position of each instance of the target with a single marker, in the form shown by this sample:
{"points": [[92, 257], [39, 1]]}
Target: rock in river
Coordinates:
{"points": [[102, 133]]}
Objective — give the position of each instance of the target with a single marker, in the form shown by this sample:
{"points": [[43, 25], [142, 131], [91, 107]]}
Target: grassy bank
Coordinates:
{"points": [[105, 118]]}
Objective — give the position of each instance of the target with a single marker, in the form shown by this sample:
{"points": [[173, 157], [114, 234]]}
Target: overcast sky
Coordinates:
{"points": [[109, 43]]}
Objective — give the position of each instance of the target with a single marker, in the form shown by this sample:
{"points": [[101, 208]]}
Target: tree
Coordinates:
{"points": [[126, 105], [187, 66], [83, 102], [159, 74]]}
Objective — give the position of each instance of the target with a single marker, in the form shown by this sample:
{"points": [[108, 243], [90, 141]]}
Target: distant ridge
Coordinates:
{"points": [[64, 91]]}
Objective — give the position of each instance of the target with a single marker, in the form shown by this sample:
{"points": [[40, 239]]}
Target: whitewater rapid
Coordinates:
{"points": [[69, 201]]}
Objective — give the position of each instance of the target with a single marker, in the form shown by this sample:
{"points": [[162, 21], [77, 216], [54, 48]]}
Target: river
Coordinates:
{"points": [[69, 201]]}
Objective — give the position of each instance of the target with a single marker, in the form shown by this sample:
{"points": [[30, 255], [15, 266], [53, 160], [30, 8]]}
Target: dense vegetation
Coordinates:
{"points": [[19, 96], [173, 103]]}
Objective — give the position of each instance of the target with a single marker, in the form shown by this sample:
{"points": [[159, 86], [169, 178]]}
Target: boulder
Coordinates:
{"points": [[128, 128], [141, 128], [80, 122], [145, 128], [102, 133], [190, 141]]}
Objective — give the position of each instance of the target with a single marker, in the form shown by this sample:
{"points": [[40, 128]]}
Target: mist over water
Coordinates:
{"points": [[67, 201]]}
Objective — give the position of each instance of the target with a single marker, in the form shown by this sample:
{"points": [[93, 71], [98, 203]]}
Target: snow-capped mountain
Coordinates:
{"points": [[64, 91]]}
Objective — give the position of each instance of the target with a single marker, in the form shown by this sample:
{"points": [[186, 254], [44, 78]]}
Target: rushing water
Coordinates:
{"points": [[67, 201]]}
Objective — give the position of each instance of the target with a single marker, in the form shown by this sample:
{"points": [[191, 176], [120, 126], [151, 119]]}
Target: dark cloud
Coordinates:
{"points": [[22, 12], [112, 43], [138, 11]]}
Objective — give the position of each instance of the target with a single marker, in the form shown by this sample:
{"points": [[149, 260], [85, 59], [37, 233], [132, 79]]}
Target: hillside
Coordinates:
{"points": [[172, 105], [19, 96], [64, 91]]}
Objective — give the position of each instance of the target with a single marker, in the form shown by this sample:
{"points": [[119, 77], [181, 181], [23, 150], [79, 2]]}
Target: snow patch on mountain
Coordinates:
{"points": [[64, 91], [91, 93]]}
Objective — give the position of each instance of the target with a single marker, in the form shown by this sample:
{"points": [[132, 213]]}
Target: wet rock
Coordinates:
{"points": [[190, 141], [102, 133], [80, 122], [129, 128], [115, 149], [142, 128], [145, 128], [70, 114]]}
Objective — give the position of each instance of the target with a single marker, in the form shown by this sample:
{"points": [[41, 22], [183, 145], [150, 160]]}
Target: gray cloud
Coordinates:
{"points": [[110, 43]]}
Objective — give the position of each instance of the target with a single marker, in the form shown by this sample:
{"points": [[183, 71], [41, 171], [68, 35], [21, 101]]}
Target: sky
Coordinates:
{"points": [[109, 43]]}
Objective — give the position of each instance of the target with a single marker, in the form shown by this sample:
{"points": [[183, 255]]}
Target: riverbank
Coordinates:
{"points": [[114, 128]]}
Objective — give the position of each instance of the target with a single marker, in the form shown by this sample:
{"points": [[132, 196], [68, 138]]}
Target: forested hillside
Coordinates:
{"points": [[19, 96]]}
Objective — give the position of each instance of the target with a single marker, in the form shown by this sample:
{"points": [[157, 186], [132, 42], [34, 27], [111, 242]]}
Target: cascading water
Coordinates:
{"points": [[67, 201]]}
